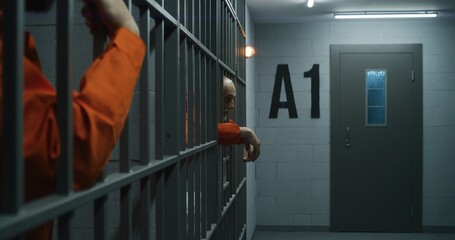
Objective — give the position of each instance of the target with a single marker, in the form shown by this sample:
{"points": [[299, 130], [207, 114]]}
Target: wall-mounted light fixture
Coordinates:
{"points": [[310, 3], [382, 15], [249, 51]]}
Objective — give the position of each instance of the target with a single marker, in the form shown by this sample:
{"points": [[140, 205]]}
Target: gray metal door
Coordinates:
{"points": [[376, 138]]}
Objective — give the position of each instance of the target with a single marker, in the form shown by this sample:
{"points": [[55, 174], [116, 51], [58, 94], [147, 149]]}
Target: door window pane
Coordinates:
{"points": [[376, 97]]}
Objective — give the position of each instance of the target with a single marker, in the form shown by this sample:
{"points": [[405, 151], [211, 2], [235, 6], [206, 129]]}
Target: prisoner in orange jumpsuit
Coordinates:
{"points": [[230, 133], [100, 107]]}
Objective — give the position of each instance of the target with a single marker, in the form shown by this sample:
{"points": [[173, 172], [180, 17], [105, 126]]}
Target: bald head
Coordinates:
{"points": [[229, 93]]}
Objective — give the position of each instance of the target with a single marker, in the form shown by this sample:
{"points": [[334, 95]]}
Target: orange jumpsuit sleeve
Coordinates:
{"points": [[102, 105], [100, 108], [229, 133], [99, 112]]}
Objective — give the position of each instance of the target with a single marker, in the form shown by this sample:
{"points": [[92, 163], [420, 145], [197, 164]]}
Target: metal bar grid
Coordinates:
{"points": [[162, 181]]}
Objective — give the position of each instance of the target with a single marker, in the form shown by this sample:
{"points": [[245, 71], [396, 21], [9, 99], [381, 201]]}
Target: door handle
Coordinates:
{"points": [[348, 138]]}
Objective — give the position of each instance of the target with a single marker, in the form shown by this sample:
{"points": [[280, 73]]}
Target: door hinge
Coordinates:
{"points": [[413, 75], [412, 211]]}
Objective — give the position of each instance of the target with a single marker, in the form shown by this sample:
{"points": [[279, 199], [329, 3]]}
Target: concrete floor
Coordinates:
{"points": [[265, 235]]}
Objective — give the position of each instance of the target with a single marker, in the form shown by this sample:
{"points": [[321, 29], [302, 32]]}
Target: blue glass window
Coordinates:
{"points": [[376, 97]]}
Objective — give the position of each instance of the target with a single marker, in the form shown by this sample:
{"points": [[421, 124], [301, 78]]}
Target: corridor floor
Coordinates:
{"points": [[265, 235]]}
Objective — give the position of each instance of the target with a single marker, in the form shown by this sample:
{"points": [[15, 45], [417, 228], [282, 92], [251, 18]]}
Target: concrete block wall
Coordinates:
{"points": [[251, 123], [293, 173]]}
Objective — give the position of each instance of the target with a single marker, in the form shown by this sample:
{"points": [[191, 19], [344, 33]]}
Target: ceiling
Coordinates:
{"points": [[272, 11]]}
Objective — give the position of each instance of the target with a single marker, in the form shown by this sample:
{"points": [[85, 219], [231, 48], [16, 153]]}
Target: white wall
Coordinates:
{"points": [[293, 173], [251, 123]]}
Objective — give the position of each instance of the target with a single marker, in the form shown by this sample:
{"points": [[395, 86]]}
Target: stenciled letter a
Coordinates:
{"points": [[282, 73]]}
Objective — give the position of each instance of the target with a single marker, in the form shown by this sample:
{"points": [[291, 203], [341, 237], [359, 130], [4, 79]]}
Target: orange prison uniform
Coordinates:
{"points": [[229, 133], [99, 110]]}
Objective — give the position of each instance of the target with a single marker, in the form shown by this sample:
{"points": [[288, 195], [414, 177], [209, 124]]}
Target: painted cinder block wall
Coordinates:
{"points": [[293, 173], [251, 123]]}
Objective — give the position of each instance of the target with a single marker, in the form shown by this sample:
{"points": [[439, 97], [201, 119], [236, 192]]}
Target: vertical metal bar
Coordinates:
{"points": [[190, 15], [171, 203], [171, 86], [226, 35], [233, 43], [65, 10], [65, 223], [230, 21], [126, 218], [182, 12], [125, 143], [205, 195], [181, 200], [218, 95], [215, 186], [214, 23], [197, 200], [145, 76], [220, 39], [208, 22], [100, 204], [217, 158], [12, 178], [198, 96], [190, 200], [190, 95], [153, 224], [160, 206], [203, 22], [144, 199], [228, 38], [213, 160], [204, 99], [238, 220], [210, 103], [145, 194], [182, 92], [125, 146], [101, 212], [227, 227], [159, 86], [197, 16], [126, 206]]}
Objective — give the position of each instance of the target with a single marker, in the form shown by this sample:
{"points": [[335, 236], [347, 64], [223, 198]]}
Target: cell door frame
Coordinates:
{"points": [[336, 129]]}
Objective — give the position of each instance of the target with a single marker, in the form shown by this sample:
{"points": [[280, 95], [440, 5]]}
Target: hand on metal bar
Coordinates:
{"points": [[112, 13]]}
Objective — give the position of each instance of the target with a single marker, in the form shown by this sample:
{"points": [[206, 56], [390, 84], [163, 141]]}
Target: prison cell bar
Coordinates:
{"points": [[12, 156], [208, 70]]}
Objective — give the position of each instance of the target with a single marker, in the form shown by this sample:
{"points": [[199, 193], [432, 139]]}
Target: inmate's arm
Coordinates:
{"points": [[231, 134], [102, 105]]}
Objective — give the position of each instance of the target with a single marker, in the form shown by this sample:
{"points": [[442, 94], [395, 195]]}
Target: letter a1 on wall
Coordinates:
{"points": [[282, 74]]}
